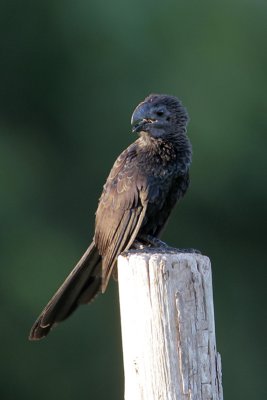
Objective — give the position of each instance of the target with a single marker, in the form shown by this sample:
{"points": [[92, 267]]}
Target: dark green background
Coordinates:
{"points": [[71, 72]]}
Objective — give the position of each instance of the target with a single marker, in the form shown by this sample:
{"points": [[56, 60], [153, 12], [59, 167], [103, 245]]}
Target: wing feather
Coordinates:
{"points": [[121, 210]]}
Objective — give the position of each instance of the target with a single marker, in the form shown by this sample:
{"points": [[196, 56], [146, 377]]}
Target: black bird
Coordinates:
{"points": [[143, 186]]}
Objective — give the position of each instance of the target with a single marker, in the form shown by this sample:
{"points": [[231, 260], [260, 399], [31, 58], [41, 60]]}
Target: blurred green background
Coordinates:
{"points": [[71, 74]]}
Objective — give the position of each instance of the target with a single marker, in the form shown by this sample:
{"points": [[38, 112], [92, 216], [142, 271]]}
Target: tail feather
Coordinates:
{"points": [[80, 287]]}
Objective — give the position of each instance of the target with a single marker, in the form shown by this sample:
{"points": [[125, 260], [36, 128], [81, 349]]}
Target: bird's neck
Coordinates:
{"points": [[176, 150]]}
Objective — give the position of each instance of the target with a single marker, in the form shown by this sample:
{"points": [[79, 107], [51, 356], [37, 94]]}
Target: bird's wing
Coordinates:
{"points": [[121, 210]]}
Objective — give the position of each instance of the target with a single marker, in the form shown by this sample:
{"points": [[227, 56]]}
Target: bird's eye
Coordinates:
{"points": [[159, 113]]}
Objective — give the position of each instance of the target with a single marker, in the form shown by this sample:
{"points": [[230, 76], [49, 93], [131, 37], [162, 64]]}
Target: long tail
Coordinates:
{"points": [[80, 287]]}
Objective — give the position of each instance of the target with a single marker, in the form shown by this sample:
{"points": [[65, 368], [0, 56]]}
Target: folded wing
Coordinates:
{"points": [[121, 210]]}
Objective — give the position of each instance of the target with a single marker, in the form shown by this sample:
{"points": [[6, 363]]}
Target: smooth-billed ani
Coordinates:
{"points": [[143, 186]]}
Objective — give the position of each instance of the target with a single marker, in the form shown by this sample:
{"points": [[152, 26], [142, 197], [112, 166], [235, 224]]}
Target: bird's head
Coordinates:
{"points": [[160, 116]]}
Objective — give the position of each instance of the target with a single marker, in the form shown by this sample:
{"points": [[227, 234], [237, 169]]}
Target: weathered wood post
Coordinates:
{"points": [[168, 331]]}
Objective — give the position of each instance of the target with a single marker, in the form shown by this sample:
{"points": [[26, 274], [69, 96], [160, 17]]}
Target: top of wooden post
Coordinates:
{"points": [[168, 330]]}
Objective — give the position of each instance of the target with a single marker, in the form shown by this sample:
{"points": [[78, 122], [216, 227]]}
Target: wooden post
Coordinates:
{"points": [[167, 323]]}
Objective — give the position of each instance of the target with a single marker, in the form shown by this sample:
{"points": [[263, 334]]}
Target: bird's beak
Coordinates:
{"points": [[137, 126], [140, 117]]}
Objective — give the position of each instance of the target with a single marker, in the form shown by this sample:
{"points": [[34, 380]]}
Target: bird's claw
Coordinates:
{"points": [[151, 241], [190, 250]]}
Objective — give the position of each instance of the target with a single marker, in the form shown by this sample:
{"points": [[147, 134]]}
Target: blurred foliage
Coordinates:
{"points": [[70, 75]]}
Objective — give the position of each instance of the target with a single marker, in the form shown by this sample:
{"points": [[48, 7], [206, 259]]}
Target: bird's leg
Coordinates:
{"points": [[152, 241], [137, 245]]}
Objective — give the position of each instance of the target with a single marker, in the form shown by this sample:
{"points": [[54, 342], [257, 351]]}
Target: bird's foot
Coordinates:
{"points": [[137, 245], [190, 250], [151, 241]]}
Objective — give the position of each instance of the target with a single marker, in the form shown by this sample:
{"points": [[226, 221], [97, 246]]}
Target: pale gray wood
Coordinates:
{"points": [[168, 331]]}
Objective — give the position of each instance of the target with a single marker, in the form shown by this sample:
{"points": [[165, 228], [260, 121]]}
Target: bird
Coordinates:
{"points": [[144, 184]]}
